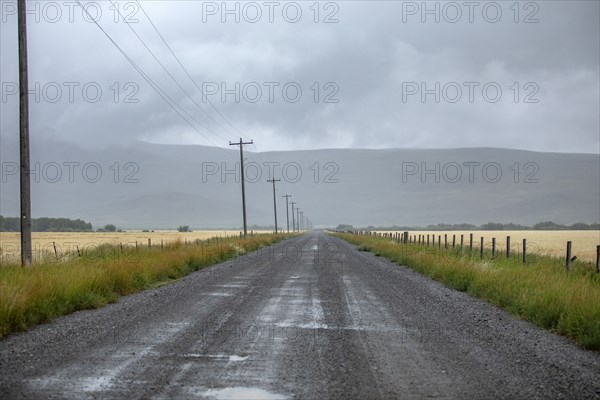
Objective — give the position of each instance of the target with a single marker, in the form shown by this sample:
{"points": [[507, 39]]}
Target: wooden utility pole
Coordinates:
{"points": [[293, 218], [241, 144], [26, 252], [274, 202], [298, 218], [287, 213]]}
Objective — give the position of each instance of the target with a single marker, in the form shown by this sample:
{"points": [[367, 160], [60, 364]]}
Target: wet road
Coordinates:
{"points": [[308, 318]]}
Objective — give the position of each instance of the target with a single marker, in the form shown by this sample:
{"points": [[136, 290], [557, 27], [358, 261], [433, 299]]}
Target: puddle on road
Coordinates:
{"points": [[226, 357], [240, 393], [231, 286], [235, 358]]}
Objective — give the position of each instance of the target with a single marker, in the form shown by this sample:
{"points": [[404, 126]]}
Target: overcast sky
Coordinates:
{"points": [[369, 60]]}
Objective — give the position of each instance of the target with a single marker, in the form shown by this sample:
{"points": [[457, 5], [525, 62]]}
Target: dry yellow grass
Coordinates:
{"points": [[541, 291], [68, 242], [542, 242]]}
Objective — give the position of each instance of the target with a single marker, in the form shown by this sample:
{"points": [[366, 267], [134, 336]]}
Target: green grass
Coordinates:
{"points": [[52, 288], [540, 291]]}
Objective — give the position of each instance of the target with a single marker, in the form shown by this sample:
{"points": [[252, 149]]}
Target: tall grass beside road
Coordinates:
{"points": [[52, 288], [540, 291]]}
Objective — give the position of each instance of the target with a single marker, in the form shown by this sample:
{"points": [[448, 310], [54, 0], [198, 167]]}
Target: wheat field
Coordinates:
{"points": [[43, 243], [542, 242]]}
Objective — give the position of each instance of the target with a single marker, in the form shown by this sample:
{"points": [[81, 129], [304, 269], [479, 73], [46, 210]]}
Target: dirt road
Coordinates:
{"points": [[309, 318]]}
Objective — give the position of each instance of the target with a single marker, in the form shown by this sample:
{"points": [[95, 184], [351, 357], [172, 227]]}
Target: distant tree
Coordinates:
{"points": [[515, 227], [548, 226], [580, 226], [492, 226], [344, 227], [110, 228], [184, 228], [9, 224]]}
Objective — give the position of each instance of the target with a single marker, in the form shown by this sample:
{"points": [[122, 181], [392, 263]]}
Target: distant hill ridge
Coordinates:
{"points": [[144, 185]]}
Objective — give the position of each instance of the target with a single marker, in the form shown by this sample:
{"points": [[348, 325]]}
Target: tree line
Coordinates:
{"points": [[44, 224]]}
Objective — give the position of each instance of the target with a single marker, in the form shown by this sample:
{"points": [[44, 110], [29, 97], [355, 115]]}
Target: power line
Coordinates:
{"points": [[169, 74], [154, 86], [188, 74]]}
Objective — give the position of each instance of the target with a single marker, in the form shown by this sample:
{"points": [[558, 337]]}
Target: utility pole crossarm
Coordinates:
{"points": [[241, 144]]}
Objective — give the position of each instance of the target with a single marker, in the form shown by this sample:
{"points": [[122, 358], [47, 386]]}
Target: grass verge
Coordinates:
{"points": [[540, 291], [52, 288]]}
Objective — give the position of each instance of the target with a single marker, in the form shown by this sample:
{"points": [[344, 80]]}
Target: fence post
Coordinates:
{"points": [[405, 237], [161, 244], [136, 246], [427, 240], [445, 240], [568, 256], [439, 241], [433, 240], [493, 247], [453, 241], [470, 244], [149, 243], [481, 248], [462, 239], [598, 259], [55, 252], [524, 251], [508, 247]]}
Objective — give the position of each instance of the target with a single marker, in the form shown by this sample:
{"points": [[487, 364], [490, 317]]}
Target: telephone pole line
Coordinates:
{"points": [[287, 211], [274, 202], [298, 218], [26, 252], [241, 144], [293, 218]]}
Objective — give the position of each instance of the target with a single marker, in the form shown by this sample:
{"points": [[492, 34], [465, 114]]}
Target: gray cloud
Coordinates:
{"points": [[369, 54]]}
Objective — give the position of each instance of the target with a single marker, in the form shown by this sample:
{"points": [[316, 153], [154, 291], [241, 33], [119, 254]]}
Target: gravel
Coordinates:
{"points": [[308, 318]]}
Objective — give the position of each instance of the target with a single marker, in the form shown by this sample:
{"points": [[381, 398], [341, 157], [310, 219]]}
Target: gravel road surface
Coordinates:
{"points": [[308, 318]]}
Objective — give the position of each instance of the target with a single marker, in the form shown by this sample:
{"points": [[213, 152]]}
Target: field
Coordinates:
{"points": [[68, 242], [552, 243], [540, 242]]}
